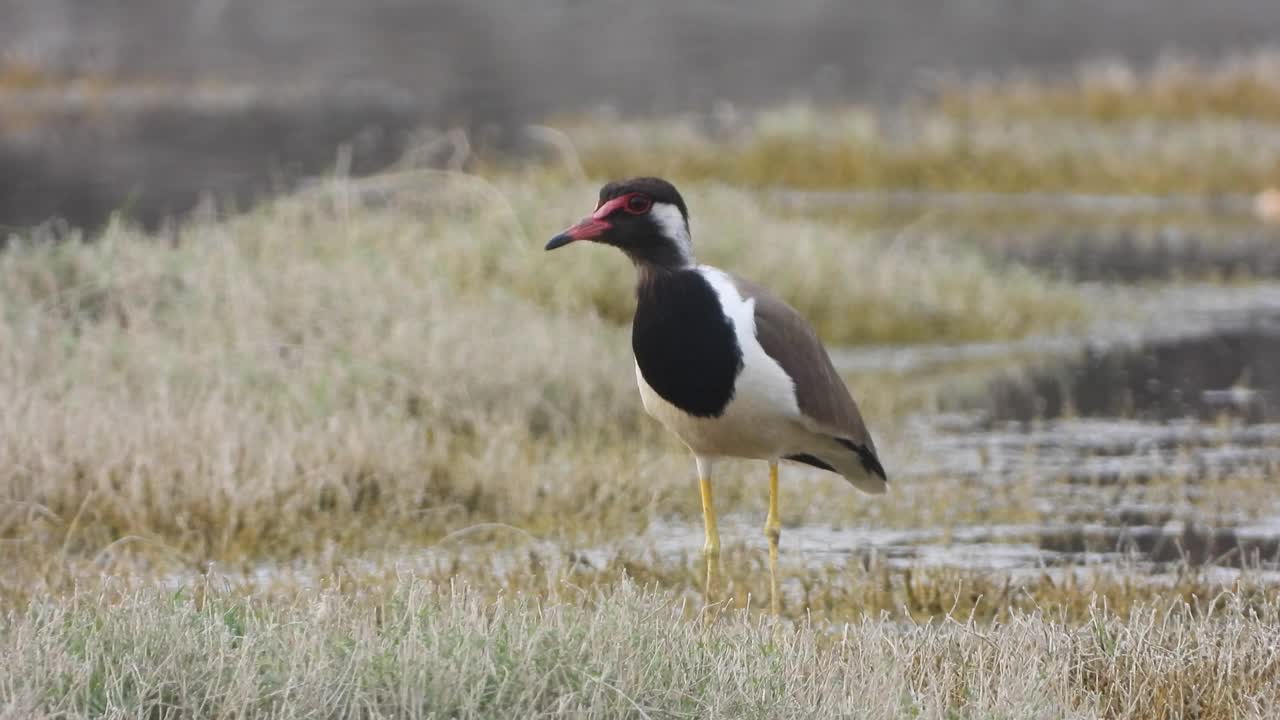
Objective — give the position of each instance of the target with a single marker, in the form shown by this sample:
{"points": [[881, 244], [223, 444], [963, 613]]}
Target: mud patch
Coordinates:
{"points": [[1232, 372], [1135, 254]]}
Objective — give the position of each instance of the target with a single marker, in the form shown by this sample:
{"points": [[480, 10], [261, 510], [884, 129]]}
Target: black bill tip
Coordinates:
{"points": [[559, 241]]}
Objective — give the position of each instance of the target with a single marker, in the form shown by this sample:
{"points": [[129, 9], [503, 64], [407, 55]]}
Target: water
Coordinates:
{"points": [[1229, 372], [1107, 428]]}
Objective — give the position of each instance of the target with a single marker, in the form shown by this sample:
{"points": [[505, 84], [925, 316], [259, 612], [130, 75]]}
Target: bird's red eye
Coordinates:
{"points": [[638, 204]]}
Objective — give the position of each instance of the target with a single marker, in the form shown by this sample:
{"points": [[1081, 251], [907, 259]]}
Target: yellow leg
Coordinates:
{"points": [[773, 531], [711, 546]]}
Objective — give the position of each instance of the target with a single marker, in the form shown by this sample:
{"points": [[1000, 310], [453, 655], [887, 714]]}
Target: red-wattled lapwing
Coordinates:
{"points": [[722, 363]]}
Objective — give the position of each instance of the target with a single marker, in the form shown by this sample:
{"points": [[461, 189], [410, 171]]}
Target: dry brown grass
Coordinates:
{"points": [[1175, 89], [321, 372], [848, 283], [291, 365], [855, 149], [1179, 127], [421, 650]]}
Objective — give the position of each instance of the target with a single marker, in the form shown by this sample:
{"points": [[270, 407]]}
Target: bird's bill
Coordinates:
{"points": [[588, 228]]}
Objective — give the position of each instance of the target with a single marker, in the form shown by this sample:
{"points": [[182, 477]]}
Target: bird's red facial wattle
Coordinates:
{"points": [[596, 225]]}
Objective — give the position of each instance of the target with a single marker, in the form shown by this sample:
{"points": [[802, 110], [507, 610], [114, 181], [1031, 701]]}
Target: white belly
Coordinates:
{"points": [[748, 428]]}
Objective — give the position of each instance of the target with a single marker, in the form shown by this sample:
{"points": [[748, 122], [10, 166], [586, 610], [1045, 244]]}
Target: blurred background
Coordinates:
{"points": [[143, 105], [297, 417], [273, 296]]}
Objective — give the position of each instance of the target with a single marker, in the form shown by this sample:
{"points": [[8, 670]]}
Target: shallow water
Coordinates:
{"points": [[1148, 547], [1228, 372], [1196, 404], [1161, 253]]}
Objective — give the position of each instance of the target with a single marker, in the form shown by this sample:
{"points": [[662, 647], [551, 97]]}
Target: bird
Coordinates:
{"points": [[727, 366]]}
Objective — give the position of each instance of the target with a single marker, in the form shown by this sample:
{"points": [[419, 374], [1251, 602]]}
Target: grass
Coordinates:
{"points": [[858, 148], [847, 282], [379, 374], [422, 650], [1179, 127], [188, 391], [1174, 89]]}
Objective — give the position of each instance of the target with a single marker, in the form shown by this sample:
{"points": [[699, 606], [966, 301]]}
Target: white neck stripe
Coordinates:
{"points": [[671, 222]]}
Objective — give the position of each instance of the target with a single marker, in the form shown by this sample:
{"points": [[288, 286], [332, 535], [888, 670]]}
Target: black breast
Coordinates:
{"points": [[684, 345]]}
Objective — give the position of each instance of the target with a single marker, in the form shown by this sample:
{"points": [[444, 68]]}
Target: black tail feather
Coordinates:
{"points": [[811, 460], [870, 462]]}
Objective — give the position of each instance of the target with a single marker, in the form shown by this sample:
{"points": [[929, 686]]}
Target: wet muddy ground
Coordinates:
{"points": [[1186, 407]]}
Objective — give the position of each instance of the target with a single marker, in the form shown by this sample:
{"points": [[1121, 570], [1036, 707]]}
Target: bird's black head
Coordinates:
{"points": [[645, 217]]}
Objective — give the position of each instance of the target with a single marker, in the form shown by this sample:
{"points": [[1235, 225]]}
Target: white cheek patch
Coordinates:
{"points": [[672, 224]]}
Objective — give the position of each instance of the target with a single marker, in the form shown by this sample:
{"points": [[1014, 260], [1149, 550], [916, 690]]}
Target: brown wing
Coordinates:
{"points": [[792, 342]]}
